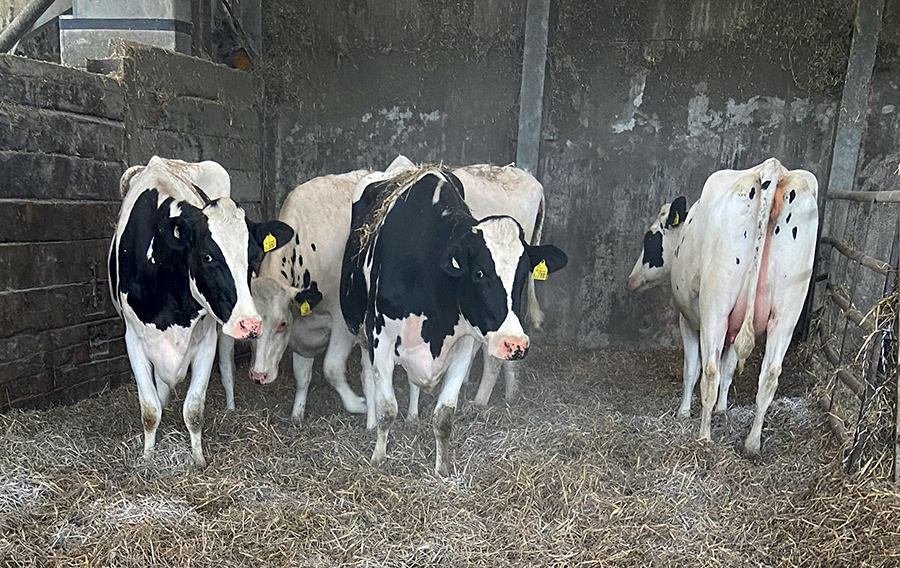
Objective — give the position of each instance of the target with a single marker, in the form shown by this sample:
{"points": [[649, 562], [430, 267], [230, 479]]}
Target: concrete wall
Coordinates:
{"points": [[62, 150], [66, 136], [643, 101]]}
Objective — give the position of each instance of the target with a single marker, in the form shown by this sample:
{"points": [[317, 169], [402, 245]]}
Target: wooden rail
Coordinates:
{"points": [[857, 387], [869, 262], [854, 315], [866, 196]]}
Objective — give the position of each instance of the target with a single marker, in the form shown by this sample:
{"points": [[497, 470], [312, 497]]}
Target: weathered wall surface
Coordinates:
{"points": [[66, 136], [352, 84], [186, 108], [62, 150], [643, 101]]}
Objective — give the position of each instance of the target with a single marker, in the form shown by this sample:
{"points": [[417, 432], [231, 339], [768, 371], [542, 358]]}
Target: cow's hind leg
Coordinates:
{"points": [[163, 391], [690, 338], [776, 346], [446, 405], [385, 399], [302, 375], [489, 376], [368, 382], [412, 409], [195, 399], [151, 409], [729, 364], [712, 337], [335, 367], [226, 368]]}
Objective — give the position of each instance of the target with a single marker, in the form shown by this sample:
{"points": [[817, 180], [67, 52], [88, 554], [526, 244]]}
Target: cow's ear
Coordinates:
{"points": [[677, 212], [178, 232], [552, 257], [455, 260], [271, 234]]}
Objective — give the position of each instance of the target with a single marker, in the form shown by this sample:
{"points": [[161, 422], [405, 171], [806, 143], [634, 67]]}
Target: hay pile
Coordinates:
{"points": [[591, 467]]}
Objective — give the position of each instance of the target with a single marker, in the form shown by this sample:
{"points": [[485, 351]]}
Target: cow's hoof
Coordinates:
{"points": [[198, 462], [684, 414], [441, 470], [412, 417], [297, 421], [378, 461], [357, 405], [229, 407]]}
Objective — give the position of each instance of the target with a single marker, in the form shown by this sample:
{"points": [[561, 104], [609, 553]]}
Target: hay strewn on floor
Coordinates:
{"points": [[590, 467]]}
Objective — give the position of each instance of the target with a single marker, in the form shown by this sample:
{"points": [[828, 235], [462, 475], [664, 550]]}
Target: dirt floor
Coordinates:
{"points": [[590, 467]]}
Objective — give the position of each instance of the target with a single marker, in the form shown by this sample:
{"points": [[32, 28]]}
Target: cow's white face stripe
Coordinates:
{"points": [[228, 228], [501, 235]]}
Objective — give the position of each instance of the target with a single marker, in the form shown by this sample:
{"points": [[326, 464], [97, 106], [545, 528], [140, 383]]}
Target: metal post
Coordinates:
{"points": [[531, 98]]}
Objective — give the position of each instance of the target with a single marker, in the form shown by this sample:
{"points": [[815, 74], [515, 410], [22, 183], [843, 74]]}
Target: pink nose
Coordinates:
{"points": [[259, 378], [249, 328], [514, 349]]}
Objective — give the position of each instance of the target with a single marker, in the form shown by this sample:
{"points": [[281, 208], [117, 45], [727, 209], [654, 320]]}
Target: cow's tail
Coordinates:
{"points": [[769, 204], [534, 315]]}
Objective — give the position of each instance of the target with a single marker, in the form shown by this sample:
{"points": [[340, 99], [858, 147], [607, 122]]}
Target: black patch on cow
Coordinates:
{"points": [[293, 256], [737, 261], [766, 183], [397, 347], [653, 249], [752, 192], [285, 276], [677, 212], [299, 260], [375, 343], [306, 278], [777, 229], [791, 196], [745, 234], [788, 219], [283, 260], [312, 246], [297, 239], [311, 296], [794, 231]]}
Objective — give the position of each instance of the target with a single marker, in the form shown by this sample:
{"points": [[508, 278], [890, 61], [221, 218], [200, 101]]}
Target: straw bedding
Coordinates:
{"points": [[591, 467]]}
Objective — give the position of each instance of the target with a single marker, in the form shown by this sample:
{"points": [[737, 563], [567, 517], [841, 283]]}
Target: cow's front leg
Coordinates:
{"points": [[195, 399], [489, 374], [412, 409], [446, 404], [302, 375], [339, 346], [151, 409], [512, 381], [226, 368], [385, 399]]}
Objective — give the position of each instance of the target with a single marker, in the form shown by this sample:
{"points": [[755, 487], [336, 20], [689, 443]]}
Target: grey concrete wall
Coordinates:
{"points": [[187, 108], [643, 101], [62, 151]]}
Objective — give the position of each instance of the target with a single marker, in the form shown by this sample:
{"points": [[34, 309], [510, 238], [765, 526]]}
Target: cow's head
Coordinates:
{"points": [[222, 248], [654, 265], [277, 303], [492, 263]]}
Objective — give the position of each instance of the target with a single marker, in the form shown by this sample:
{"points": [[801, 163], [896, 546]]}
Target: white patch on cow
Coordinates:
{"points": [[150, 251], [501, 235], [437, 192], [228, 228]]}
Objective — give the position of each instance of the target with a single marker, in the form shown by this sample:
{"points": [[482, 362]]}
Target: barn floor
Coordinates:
{"points": [[590, 467]]}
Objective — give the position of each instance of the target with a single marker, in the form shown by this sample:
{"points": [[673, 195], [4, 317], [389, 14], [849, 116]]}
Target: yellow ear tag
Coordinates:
{"points": [[675, 222], [540, 271], [269, 243], [304, 308]]}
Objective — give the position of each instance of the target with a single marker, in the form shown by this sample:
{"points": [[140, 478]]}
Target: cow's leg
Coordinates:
{"points": [[712, 337], [512, 381], [151, 409], [163, 391], [385, 399], [303, 375], [195, 399], [729, 364], [533, 309], [446, 405], [412, 409], [690, 338], [488, 378], [335, 367], [226, 368], [368, 382], [777, 341]]}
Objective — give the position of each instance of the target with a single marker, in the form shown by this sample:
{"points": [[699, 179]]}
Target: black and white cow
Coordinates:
{"points": [[739, 262], [426, 282], [179, 265]]}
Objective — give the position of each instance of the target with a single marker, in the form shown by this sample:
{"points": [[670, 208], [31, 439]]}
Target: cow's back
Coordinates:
{"points": [[495, 190]]}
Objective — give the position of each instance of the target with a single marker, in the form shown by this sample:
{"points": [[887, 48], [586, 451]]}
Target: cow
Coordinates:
{"points": [[319, 212], [739, 263], [297, 293], [179, 266], [424, 282]]}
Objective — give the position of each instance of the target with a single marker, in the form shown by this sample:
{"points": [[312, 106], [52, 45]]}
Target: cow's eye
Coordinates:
{"points": [[282, 326], [207, 258]]}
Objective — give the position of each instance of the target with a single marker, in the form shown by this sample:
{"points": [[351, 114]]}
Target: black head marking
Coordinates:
{"points": [[791, 196], [794, 231], [653, 249]]}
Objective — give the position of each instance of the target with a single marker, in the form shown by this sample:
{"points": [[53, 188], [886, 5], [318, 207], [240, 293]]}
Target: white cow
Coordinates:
{"points": [[739, 263], [319, 212]]}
